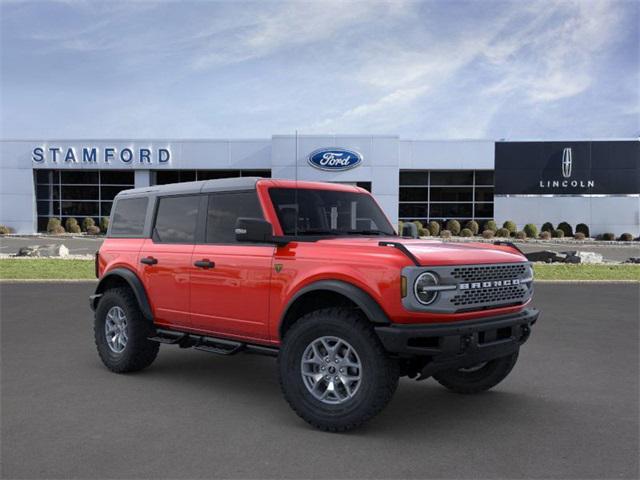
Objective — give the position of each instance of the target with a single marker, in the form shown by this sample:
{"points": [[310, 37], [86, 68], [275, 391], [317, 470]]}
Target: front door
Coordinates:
{"points": [[230, 281], [165, 259]]}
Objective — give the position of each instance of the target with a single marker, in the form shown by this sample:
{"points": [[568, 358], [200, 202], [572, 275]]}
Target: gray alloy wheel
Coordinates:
{"points": [[115, 329], [331, 370]]}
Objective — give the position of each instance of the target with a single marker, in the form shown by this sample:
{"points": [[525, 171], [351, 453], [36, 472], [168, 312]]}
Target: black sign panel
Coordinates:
{"points": [[552, 168]]}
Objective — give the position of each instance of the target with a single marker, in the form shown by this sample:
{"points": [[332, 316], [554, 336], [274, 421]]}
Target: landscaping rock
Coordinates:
{"points": [[52, 250], [583, 257], [632, 260], [546, 256]]}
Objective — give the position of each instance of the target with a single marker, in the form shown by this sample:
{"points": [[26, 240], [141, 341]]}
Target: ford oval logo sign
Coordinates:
{"points": [[334, 159]]}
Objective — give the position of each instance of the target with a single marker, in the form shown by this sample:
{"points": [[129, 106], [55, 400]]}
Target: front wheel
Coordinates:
{"points": [[477, 378], [333, 371]]}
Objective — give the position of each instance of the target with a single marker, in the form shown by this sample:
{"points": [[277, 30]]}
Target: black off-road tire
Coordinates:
{"points": [[467, 382], [379, 373], [139, 352]]}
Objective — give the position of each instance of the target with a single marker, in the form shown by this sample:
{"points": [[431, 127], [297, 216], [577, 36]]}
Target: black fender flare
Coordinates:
{"points": [[134, 283], [362, 299]]}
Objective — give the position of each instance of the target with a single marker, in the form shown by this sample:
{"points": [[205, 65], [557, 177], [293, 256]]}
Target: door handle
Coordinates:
{"points": [[204, 264], [149, 260]]}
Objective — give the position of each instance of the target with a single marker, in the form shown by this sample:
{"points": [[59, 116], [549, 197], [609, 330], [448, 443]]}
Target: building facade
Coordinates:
{"points": [[592, 182]]}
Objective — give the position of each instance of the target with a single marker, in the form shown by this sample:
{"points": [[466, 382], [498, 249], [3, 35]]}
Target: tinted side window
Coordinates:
{"points": [[176, 219], [224, 210], [128, 218]]}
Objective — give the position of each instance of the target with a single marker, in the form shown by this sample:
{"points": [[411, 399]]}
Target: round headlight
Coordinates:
{"points": [[422, 288]]}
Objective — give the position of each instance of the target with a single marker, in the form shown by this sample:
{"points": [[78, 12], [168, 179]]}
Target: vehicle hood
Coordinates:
{"points": [[437, 252]]}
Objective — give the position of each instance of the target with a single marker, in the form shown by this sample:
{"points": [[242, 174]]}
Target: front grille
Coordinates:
{"points": [[492, 295], [484, 273]]}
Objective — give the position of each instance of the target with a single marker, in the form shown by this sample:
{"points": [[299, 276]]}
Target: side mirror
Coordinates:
{"points": [[409, 230], [254, 230]]}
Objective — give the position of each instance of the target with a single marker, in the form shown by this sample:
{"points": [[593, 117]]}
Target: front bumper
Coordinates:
{"points": [[461, 344]]}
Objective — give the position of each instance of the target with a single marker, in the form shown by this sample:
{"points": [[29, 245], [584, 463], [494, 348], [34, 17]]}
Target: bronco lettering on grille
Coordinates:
{"points": [[491, 284]]}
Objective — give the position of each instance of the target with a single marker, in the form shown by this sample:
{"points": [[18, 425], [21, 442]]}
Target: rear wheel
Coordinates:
{"points": [[477, 378], [333, 371], [121, 332]]}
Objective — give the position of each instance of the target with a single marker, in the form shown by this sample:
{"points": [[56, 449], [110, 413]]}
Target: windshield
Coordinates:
{"points": [[328, 212]]}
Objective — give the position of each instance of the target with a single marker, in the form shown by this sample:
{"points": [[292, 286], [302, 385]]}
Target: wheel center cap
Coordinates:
{"points": [[332, 370]]}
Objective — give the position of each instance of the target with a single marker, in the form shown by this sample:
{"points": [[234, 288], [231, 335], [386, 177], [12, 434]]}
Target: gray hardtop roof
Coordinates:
{"points": [[203, 186]]}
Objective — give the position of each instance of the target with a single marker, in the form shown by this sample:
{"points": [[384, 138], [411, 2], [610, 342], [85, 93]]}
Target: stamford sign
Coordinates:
{"points": [[334, 159], [94, 155]]}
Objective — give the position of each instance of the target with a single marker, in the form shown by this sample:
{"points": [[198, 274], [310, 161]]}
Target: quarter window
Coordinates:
{"points": [[223, 212], [176, 219], [128, 217]]}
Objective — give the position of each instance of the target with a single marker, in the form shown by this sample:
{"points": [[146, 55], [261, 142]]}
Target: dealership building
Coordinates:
{"points": [[596, 182]]}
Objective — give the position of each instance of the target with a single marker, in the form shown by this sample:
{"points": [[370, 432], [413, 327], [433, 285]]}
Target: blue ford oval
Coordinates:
{"points": [[334, 159]]}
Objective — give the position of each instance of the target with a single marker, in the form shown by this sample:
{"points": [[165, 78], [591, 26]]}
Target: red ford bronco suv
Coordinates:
{"points": [[314, 274]]}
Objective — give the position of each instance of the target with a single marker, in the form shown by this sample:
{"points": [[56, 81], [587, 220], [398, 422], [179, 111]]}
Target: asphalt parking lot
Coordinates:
{"points": [[568, 410]]}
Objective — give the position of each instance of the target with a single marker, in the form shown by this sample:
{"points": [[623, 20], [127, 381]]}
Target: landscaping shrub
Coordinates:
{"points": [[545, 235], [488, 234], [5, 230], [608, 236], [453, 226], [557, 233], [626, 237], [521, 235], [473, 226], [445, 234], [421, 231], [71, 225], [503, 233], [579, 236], [511, 226], [466, 232], [547, 227], [57, 230], [52, 224], [434, 228], [583, 228], [88, 222], [491, 225], [400, 224], [93, 230], [531, 230], [104, 224], [566, 228]]}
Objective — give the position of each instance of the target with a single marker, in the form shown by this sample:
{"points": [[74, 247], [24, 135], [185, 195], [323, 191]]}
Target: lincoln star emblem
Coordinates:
{"points": [[567, 160]]}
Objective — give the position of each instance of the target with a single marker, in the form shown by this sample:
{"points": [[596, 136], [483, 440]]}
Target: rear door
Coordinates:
{"points": [[229, 280], [165, 259]]}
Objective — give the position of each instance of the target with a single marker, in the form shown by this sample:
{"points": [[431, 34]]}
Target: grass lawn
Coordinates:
{"points": [[83, 269]]}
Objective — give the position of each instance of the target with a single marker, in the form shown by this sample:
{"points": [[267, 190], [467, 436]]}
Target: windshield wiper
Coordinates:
{"points": [[369, 232]]}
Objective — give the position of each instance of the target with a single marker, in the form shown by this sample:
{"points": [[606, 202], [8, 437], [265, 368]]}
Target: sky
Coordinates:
{"points": [[420, 70]]}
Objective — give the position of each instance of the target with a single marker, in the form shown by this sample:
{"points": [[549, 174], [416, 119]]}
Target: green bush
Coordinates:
{"points": [[400, 224], [488, 234], [503, 233], [521, 235], [608, 236], [52, 224], [566, 228], [93, 230], [583, 228], [421, 231], [466, 232], [491, 225], [545, 235], [579, 236], [547, 227], [104, 224], [626, 237], [445, 234], [453, 226], [57, 230], [531, 230], [88, 222], [5, 230], [473, 226], [71, 225], [511, 226], [557, 233], [434, 228]]}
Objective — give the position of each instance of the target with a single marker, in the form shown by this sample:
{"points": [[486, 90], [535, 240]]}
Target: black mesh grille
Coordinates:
{"points": [[484, 273], [491, 295]]}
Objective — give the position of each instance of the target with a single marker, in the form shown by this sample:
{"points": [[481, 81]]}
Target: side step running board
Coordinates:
{"points": [[219, 346]]}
